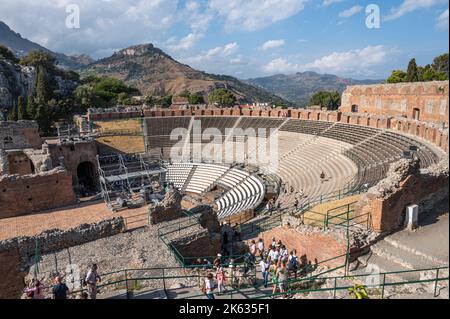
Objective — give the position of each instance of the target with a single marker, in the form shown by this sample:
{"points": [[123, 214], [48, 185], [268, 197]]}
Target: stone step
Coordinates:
{"points": [[431, 259]]}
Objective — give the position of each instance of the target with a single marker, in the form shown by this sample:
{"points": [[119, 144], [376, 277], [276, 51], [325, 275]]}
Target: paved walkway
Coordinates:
{"points": [[64, 218]]}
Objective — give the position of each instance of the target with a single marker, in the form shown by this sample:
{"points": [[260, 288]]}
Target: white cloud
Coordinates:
{"points": [[104, 24], [252, 15], [185, 43], [281, 65], [353, 62], [442, 21], [411, 5], [350, 12], [359, 61], [230, 49], [271, 44], [327, 3]]}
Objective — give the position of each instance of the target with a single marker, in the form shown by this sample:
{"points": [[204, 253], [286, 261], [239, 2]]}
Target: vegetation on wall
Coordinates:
{"points": [[437, 71], [330, 100]]}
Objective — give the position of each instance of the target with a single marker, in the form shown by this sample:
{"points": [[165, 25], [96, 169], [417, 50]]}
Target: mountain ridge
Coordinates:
{"points": [[300, 86], [21, 46]]}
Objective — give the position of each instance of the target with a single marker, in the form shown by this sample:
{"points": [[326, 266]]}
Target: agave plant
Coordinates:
{"points": [[358, 292]]}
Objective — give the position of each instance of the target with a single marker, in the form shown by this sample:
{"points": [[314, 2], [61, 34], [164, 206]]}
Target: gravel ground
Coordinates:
{"points": [[138, 249]]}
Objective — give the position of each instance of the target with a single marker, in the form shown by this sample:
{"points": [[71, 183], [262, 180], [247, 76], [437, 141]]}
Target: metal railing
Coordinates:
{"points": [[331, 284]]}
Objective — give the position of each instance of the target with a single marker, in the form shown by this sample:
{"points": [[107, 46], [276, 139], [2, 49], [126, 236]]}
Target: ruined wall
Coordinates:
{"points": [[15, 252], [168, 209], [18, 135], [404, 185], [74, 154], [19, 163], [429, 98], [21, 195]]}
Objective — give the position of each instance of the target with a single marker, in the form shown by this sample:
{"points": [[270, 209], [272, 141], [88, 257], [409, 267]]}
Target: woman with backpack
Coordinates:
{"points": [[293, 264]]}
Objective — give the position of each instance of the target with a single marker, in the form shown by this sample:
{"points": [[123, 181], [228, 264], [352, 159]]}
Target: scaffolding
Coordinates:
{"points": [[126, 179]]}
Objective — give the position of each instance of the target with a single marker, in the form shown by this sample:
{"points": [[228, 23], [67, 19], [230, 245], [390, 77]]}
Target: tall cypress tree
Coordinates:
{"points": [[22, 113], [43, 94], [43, 118], [412, 74], [12, 115], [31, 107]]}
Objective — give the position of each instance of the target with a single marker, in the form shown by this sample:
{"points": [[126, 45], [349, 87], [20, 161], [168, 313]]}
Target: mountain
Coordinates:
{"points": [[299, 87], [152, 71], [21, 46]]}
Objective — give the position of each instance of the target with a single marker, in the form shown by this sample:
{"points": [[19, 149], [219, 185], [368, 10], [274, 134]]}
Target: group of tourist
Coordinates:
{"points": [[60, 290], [277, 264]]}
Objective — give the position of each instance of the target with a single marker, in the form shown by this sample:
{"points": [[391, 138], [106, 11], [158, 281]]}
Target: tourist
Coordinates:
{"points": [[274, 242], [264, 265], [284, 253], [253, 250], [221, 279], [273, 274], [322, 176], [60, 290], [261, 247], [209, 286], [91, 281], [282, 278], [217, 261], [296, 203], [35, 290], [293, 264], [207, 264], [274, 254], [301, 194]]}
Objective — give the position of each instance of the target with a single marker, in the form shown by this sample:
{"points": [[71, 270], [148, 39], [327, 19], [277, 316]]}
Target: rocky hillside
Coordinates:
{"points": [[299, 87], [152, 71], [17, 80], [21, 46]]}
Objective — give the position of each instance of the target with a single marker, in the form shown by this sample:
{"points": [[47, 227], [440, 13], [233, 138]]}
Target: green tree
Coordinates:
{"points": [[39, 58], [31, 107], [12, 115], [330, 100], [22, 113], [196, 98], [43, 91], [7, 54], [43, 118], [397, 76], [412, 75], [440, 63], [165, 101], [222, 97]]}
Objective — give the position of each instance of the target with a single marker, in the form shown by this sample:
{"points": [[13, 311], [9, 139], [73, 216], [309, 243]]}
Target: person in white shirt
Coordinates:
{"points": [[209, 286], [284, 253], [264, 265], [261, 247]]}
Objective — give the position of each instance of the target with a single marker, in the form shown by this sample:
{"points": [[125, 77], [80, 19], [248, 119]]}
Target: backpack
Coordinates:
{"points": [[293, 262]]}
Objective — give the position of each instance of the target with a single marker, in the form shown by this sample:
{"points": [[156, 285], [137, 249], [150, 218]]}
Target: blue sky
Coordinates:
{"points": [[246, 38]]}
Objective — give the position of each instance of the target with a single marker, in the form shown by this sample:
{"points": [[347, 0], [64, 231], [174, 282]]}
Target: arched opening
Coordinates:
{"points": [[86, 178], [354, 108]]}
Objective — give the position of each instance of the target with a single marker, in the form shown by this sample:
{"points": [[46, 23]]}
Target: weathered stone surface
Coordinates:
{"points": [[168, 209], [20, 195], [403, 186]]}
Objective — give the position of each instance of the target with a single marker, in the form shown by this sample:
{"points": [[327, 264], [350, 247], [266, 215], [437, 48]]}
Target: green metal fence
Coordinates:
{"points": [[386, 279]]}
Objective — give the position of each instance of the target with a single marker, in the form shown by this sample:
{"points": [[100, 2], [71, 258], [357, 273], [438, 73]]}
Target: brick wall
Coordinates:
{"points": [[429, 98], [21, 195], [18, 135], [311, 245]]}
